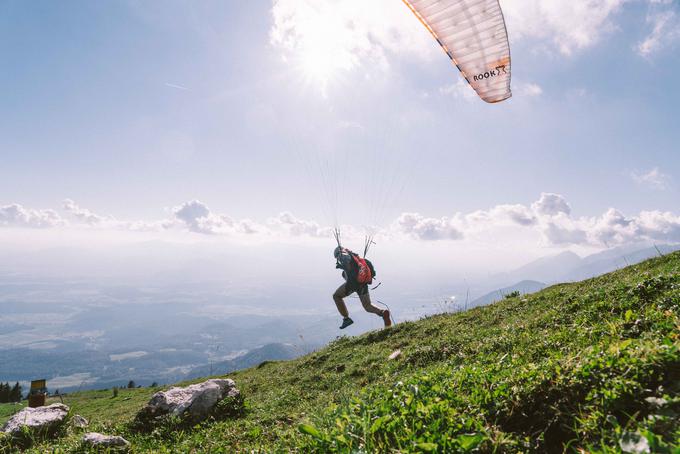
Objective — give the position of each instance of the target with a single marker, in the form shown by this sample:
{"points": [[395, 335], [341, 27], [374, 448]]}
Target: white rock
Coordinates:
{"points": [[41, 419], [634, 442], [656, 402], [79, 421], [95, 439], [194, 402], [395, 354]]}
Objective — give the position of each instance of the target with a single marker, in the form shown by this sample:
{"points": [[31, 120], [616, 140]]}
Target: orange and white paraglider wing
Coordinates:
{"points": [[473, 35]]}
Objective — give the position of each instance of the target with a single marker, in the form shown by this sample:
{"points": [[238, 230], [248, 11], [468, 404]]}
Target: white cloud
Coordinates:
{"points": [[550, 204], [550, 217], [293, 226], [665, 30], [81, 214], [528, 89], [177, 86], [498, 215], [659, 225], [146, 226], [16, 215], [548, 220], [198, 218], [559, 234], [519, 214], [653, 179], [612, 228], [569, 26], [459, 89], [324, 37], [430, 229]]}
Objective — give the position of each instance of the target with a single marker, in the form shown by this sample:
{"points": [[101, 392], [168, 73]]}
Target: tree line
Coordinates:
{"points": [[10, 393]]}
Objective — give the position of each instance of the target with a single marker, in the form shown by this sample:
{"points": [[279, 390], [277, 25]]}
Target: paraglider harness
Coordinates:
{"points": [[364, 268], [359, 269]]}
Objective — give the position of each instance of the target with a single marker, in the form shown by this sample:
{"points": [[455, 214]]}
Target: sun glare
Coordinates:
{"points": [[324, 49]]}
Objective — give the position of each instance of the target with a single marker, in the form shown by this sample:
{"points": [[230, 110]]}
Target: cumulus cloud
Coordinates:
{"points": [[550, 204], [146, 226], [429, 229], [518, 214], [82, 214], [558, 234], [499, 215], [16, 215], [198, 218], [294, 226], [653, 179], [659, 225], [612, 228], [549, 218]]}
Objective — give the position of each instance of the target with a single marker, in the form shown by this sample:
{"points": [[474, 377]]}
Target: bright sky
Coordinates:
{"points": [[208, 119]]}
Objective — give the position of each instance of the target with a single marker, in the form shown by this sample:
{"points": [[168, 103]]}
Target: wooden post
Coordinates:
{"points": [[37, 393]]}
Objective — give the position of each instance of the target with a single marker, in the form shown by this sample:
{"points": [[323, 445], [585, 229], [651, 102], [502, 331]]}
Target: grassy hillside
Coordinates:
{"points": [[593, 365]]}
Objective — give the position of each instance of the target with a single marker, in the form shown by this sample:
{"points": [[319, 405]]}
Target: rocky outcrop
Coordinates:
{"points": [[97, 440], [190, 404], [39, 421]]}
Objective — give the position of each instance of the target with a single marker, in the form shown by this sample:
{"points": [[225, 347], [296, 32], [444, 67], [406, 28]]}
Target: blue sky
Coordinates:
{"points": [[132, 110]]}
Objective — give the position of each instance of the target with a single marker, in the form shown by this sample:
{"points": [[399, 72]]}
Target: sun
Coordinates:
{"points": [[322, 48], [318, 65]]}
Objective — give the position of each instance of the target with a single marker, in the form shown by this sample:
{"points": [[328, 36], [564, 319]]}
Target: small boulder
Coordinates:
{"points": [[656, 402], [39, 421], [79, 422], [395, 354], [192, 403], [634, 443], [97, 440]]}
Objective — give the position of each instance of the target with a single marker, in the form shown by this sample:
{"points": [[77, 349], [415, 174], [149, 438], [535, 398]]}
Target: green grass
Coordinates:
{"points": [[7, 410], [575, 366]]}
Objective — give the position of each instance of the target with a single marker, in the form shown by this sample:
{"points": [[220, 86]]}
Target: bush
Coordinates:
{"points": [[229, 407]]}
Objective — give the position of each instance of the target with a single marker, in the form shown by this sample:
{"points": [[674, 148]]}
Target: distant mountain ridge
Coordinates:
{"points": [[522, 287], [269, 352], [568, 266]]}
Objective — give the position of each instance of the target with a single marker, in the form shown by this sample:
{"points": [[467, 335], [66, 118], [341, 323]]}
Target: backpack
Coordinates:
{"points": [[365, 270]]}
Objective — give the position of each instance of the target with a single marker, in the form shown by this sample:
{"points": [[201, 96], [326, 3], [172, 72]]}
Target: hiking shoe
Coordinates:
{"points": [[386, 318], [346, 322]]}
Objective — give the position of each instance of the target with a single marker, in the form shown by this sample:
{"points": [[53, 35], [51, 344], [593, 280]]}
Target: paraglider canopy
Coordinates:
{"points": [[473, 35]]}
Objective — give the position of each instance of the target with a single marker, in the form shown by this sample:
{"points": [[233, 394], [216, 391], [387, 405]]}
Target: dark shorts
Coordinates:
{"points": [[351, 287]]}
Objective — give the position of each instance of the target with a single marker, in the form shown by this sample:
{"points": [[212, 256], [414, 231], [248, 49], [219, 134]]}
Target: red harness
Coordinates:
{"points": [[364, 276]]}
